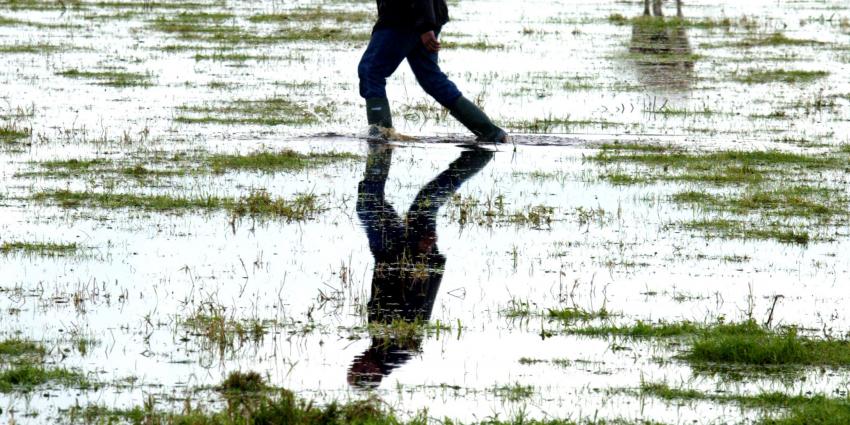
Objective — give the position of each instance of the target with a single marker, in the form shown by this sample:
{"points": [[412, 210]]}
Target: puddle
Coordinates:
{"points": [[425, 272]]}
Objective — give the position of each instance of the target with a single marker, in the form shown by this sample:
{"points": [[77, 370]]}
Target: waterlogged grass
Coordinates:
{"points": [[22, 368], [270, 111], [302, 207], [83, 5], [18, 347], [317, 14], [552, 123], [751, 344], [221, 29], [258, 204], [284, 160], [482, 44], [11, 132], [409, 334], [211, 323], [660, 23], [112, 78], [797, 201], [641, 330], [45, 249], [514, 393], [493, 211], [776, 39], [761, 205], [781, 76], [250, 400], [573, 314], [160, 203], [37, 48], [796, 409], [185, 164], [723, 166], [745, 343], [739, 229], [26, 377]]}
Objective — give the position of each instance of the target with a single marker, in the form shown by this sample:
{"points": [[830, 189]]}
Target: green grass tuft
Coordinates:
{"points": [[47, 249], [26, 377]]}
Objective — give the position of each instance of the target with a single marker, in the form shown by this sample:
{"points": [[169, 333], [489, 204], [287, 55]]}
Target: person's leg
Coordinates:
{"points": [[387, 48], [426, 68]]}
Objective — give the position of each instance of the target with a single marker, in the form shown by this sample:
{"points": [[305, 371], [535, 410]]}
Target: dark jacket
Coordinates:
{"points": [[419, 15]]}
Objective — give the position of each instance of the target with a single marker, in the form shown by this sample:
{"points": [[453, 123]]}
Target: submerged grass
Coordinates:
{"points": [[739, 229], [302, 207], [746, 343], [112, 78], [284, 160], [798, 409], [781, 76], [270, 111], [37, 48], [11, 132], [752, 344], [47, 249], [316, 14], [258, 204], [796, 201], [17, 347], [22, 368], [26, 377], [775, 39]]}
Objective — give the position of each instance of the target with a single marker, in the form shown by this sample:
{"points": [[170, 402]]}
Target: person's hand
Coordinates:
{"points": [[429, 40]]}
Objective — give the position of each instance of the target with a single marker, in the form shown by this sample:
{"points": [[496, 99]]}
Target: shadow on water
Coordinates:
{"points": [[408, 265], [663, 55]]}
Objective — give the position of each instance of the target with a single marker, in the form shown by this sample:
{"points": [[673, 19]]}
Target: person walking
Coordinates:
{"points": [[410, 29]]}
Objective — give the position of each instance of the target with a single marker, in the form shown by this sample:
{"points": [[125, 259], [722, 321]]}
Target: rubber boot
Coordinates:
{"points": [[477, 122], [380, 118]]}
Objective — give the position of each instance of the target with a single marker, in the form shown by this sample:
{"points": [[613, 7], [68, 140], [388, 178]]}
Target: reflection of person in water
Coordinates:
{"points": [[665, 58], [408, 265]]}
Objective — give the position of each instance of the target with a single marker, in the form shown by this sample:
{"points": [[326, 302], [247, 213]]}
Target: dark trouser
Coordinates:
{"points": [[387, 49]]}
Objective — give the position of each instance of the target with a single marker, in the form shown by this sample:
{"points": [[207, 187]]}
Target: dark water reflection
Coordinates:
{"points": [[408, 265], [663, 54]]}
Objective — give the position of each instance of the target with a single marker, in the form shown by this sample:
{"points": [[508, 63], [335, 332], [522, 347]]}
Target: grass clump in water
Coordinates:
{"points": [[752, 344], [211, 323], [572, 314], [111, 78], [285, 160], [303, 206], [775, 39], [39, 48], [270, 111], [70, 199], [48, 249], [18, 347], [642, 330], [315, 15], [738, 229], [26, 377], [796, 201], [780, 76], [798, 410], [11, 132]]}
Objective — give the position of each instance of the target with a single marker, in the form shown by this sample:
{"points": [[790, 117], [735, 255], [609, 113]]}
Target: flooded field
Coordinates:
{"points": [[193, 228]]}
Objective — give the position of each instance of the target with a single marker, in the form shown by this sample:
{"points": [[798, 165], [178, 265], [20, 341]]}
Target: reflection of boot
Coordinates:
{"points": [[477, 122], [378, 162], [380, 118], [656, 8]]}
